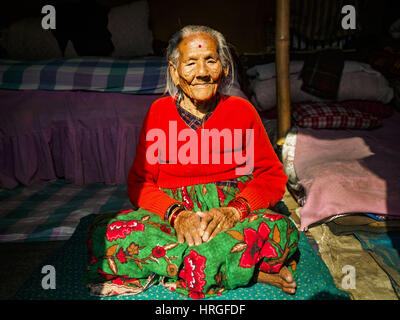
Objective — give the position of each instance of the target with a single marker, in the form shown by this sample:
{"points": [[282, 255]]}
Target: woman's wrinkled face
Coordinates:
{"points": [[199, 70]]}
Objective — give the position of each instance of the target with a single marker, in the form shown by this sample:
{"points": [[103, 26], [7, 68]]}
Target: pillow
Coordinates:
{"points": [[322, 115], [365, 86], [358, 85], [27, 40], [130, 32], [268, 71], [264, 93]]}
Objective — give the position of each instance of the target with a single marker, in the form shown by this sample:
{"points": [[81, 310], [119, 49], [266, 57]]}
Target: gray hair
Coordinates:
{"points": [[172, 55]]}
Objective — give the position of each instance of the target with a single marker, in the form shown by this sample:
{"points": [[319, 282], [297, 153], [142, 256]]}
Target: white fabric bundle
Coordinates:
{"points": [[359, 82]]}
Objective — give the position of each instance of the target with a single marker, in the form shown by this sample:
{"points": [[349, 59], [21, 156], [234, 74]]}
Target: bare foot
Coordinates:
{"points": [[283, 280]]}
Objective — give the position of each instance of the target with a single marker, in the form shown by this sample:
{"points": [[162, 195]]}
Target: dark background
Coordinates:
{"points": [[248, 25]]}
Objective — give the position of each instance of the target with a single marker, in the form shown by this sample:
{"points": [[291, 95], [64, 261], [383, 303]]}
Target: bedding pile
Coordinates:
{"points": [[358, 81], [345, 171], [326, 91]]}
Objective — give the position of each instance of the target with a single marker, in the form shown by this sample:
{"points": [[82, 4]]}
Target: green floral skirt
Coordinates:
{"points": [[133, 249]]}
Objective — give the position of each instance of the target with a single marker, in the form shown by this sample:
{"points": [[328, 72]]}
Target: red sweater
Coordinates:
{"points": [[147, 177]]}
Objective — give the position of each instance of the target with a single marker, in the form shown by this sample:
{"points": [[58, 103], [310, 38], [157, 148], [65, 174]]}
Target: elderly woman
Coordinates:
{"points": [[202, 225]]}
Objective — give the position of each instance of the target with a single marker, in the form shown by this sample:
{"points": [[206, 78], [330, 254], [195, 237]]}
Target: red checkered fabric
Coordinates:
{"points": [[322, 115]]}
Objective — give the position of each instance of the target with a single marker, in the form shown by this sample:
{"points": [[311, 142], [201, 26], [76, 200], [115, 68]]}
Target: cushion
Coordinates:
{"points": [[130, 32], [322, 115]]}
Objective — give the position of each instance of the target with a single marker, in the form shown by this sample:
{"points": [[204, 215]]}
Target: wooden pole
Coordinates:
{"points": [[282, 38]]}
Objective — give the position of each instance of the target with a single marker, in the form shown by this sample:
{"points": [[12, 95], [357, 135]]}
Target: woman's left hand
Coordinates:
{"points": [[217, 220]]}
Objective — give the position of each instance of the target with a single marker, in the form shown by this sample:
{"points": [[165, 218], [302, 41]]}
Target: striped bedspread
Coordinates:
{"points": [[50, 211], [144, 75]]}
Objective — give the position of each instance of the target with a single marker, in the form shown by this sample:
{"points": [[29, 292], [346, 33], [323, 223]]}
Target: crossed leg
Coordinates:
{"points": [[283, 279]]}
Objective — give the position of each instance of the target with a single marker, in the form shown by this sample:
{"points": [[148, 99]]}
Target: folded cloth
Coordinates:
{"points": [[268, 71], [322, 72], [384, 249]]}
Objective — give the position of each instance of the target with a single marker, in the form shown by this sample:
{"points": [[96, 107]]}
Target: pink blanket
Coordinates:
{"points": [[347, 171]]}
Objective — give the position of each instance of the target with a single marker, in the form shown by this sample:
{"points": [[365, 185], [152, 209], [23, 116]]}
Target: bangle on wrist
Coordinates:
{"points": [[172, 212], [174, 215], [241, 205]]}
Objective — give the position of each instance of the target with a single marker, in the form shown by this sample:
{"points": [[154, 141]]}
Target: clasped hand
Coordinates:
{"points": [[198, 227]]}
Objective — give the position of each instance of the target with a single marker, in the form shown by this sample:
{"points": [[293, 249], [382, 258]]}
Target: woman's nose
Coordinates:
{"points": [[202, 70]]}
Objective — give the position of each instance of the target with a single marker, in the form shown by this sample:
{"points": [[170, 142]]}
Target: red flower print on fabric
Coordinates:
{"points": [[268, 250], [196, 295], [183, 284], [159, 252], [107, 276], [187, 202], [120, 229], [221, 195], [122, 281], [265, 267], [255, 241], [193, 273], [272, 217], [125, 211], [121, 256], [165, 229]]}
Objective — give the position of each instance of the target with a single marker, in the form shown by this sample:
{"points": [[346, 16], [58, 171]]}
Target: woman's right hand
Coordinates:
{"points": [[187, 226]]}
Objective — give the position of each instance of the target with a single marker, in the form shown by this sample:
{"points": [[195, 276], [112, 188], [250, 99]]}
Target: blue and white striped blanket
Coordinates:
{"points": [[144, 75], [50, 211]]}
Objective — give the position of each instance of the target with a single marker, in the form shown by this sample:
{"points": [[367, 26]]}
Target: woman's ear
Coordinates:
{"points": [[174, 73], [226, 73]]}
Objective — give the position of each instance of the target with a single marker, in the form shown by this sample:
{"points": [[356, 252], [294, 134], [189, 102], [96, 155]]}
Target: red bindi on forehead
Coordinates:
{"points": [[193, 43]]}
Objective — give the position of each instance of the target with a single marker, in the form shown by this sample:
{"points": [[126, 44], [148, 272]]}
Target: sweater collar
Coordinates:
{"points": [[191, 120]]}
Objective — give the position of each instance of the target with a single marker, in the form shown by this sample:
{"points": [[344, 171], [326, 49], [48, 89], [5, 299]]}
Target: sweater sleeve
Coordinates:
{"points": [[142, 189], [269, 179]]}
